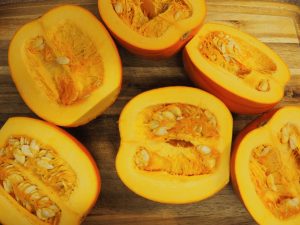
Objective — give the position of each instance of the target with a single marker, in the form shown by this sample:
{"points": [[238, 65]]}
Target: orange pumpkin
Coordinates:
{"points": [[265, 167], [65, 66], [46, 175], [237, 68], [174, 148], [152, 28]]}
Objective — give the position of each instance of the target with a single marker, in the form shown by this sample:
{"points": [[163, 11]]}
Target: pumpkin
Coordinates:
{"points": [[265, 167], [65, 66], [237, 68], [152, 28], [175, 145], [46, 175]]}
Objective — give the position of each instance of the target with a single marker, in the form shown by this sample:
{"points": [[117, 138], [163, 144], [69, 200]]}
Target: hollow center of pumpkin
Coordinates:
{"points": [[65, 63], [238, 58], [23, 160], [152, 18], [275, 172], [182, 139]]}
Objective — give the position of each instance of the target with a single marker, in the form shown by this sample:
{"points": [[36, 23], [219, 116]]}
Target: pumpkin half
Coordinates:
{"points": [[65, 66], [266, 167], [46, 175], [153, 28], [237, 68], [175, 148]]}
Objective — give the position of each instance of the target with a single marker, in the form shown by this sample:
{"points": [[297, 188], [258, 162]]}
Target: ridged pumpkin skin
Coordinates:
{"points": [[65, 66], [171, 160], [43, 156], [237, 68], [267, 130], [163, 45]]}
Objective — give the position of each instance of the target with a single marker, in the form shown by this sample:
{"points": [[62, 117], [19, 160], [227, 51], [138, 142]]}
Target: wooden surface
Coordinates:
{"points": [[276, 24]]}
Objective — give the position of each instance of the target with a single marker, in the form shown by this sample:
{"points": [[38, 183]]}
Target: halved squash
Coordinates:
{"points": [[153, 28], [175, 145], [265, 167], [65, 66], [237, 68], [46, 175]]}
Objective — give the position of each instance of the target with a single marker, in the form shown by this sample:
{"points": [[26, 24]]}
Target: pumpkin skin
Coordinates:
{"points": [[162, 45], [267, 130], [183, 182], [237, 68], [65, 66], [74, 201]]}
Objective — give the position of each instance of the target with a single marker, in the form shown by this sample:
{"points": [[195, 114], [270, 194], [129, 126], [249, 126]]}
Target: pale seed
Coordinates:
{"points": [[20, 158], [177, 15], [271, 183], [213, 121], [265, 151], [47, 213], [143, 158], [12, 141], [157, 116], [44, 164], [7, 186], [30, 189], [285, 134], [16, 178], [153, 124], [293, 142], [263, 85], [204, 149], [161, 131], [62, 60], [39, 43], [168, 115], [179, 118], [175, 110], [213, 57], [118, 7], [211, 163], [2, 152], [294, 202], [35, 196], [34, 146], [26, 150]]}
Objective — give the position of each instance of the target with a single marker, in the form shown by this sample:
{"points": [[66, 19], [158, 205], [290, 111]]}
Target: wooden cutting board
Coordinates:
{"points": [[276, 24]]}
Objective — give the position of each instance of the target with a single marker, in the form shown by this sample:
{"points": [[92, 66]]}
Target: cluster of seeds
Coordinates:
{"points": [[191, 161], [151, 18], [182, 128], [26, 193], [69, 60], [42, 161], [229, 53], [276, 174], [181, 122]]}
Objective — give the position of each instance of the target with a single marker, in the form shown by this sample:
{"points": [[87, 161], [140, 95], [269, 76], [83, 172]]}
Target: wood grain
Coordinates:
{"points": [[276, 24]]}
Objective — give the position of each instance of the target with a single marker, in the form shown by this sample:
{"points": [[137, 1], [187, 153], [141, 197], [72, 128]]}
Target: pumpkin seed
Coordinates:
{"points": [[293, 142], [153, 124], [39, 43], [2, 152], [271, 182], [265, 150], [7, 186], [161, 131], [20, 158], [118, 7], [26, 150], [294, 202], [47, 213], [263, 85], [285, 133], [168, 115], [185, 35], [44, 164], [62, 60], [177, 15], [211, 163], [34, 146], [204, 149], [30, 189]]}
